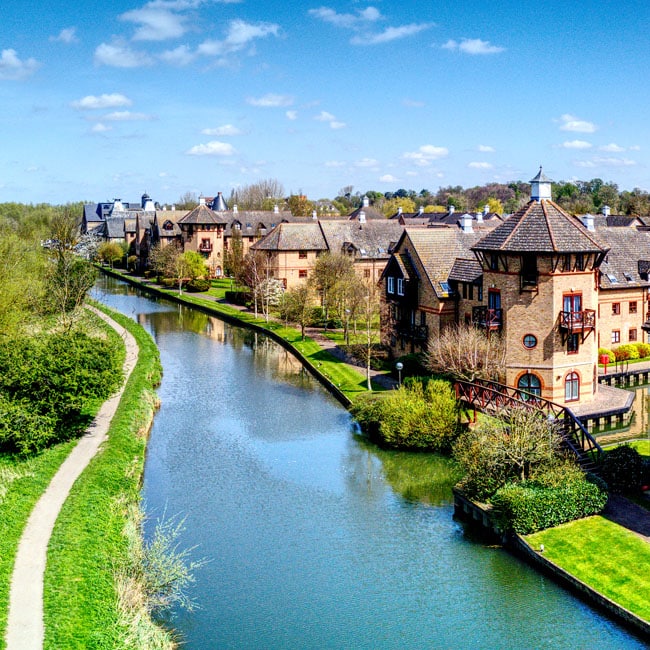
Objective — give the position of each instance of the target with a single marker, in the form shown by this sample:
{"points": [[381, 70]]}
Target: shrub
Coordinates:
{"points": [[416, 418], [413, 366], [643, 349], [238, 297], [21, 429], [608, 352], [625, 352], [367, 411], [623, 469], [198, 285], [528, 507]]}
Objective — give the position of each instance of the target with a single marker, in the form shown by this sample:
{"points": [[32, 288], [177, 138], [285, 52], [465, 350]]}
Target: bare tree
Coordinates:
{"points": [[261, 195], [467, 352]]}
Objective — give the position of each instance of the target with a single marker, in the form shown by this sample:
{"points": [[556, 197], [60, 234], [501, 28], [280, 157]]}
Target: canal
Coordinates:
{"points": [[314, 538]]}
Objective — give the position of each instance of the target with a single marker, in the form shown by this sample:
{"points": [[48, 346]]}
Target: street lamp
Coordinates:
{"points": [[347, 327], [399, 365]]}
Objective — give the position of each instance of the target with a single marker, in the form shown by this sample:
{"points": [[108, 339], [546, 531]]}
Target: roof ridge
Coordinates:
{"points": [[547, 220]]}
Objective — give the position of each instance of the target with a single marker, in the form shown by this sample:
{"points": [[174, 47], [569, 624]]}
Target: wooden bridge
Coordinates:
{"points": [[494, 398]]}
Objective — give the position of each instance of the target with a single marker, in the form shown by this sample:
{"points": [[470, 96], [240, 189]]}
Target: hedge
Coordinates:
{"points": [[527, 507]]}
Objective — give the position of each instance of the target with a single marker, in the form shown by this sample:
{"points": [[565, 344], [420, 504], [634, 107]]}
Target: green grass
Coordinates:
{"points": [[88, 544], [604, 555]]}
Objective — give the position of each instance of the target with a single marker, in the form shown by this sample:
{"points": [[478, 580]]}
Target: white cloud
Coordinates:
{"points": [[324, 116], [576, 144], [390, 34], [128, 116], [598, 161], [91, 102], [155, 23], [612, 148], [101, 128], [388, 178], [635, 147], [11, 67], [335, 163], [350, 21], [120, 55], [334, 124], [239, 35], [575, 124], [485, 148], [180, 56], [213, 148], [412, 103], [366, 162], [270, 100], [292, 115], [426, 154], [67, 35], [226, 129], [473, 46], [480, 165]]}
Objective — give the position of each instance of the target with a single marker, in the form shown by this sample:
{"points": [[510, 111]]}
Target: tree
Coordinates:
{"points": [[370, 315], [330, 272], [261, 195], [194, 264], [187, 201], [255, 272], [297, 306], [391, 206], [162, 259], [234, 257], [467, 352], [300, 206], [110, 252], [497, 451]]}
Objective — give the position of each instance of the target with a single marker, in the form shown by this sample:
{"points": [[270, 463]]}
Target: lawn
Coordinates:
{"points": [[605, 556]]}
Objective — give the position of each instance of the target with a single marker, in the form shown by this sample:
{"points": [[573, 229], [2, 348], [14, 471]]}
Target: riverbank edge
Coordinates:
{"points": [[479, 515], [240, 322]]}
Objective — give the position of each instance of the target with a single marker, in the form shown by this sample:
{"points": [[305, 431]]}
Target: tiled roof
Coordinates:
{"points": [[541, 227], [624, 263], [438, 249], [251, 221], [466, 270], [369, 211], [370, 240], [293, 237], [202, 215]]}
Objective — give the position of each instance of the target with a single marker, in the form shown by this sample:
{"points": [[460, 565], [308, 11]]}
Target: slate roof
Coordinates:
{"points": [[252, 221], [628, 259], [202, 215], [293, 237], [369, 211], [371, 240], [466, 270], [112, 228], [541, 227], [438, 249]]}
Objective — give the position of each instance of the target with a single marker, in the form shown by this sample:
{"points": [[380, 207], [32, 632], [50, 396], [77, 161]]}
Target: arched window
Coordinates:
{"points": [[572, 387], [531, 384]]}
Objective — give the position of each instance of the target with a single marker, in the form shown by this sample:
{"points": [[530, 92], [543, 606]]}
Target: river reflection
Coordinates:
{"points": [[315, 538]]}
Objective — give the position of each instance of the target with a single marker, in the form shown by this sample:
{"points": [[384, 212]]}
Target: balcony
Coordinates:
{"points": [[575, 322], [205, 247], [413, 332], [488, 318]]}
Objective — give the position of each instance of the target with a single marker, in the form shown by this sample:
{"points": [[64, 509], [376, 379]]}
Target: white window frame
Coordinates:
{"points": [[400, 286], [390, 287]]}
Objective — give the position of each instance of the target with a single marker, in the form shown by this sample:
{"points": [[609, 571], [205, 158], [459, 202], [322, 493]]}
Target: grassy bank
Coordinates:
{"points": [[89, 547], [347, 380], [603, 555]]}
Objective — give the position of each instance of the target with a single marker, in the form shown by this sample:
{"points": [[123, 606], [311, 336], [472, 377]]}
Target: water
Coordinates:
{"points": [[314, 538]]}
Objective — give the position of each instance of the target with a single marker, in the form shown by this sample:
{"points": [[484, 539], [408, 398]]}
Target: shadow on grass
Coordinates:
{"points": [[628, 514]]}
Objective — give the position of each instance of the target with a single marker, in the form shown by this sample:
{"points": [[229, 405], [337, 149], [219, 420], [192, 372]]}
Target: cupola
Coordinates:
{"points": [[540, 187]]}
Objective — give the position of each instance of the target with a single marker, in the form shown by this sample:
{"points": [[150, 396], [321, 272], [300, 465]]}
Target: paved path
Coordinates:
{"points": [[25, 629]]}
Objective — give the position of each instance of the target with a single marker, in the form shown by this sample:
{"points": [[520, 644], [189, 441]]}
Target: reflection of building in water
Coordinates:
{"points": [[215, 329], [639, 426]]}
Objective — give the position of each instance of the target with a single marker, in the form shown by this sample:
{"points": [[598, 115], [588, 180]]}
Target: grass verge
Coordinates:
{"points": [[583, 548], [89, 545]]}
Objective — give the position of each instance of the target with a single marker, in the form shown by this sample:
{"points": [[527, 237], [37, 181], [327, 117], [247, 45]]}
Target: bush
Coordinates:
{"points": [[367, 411], [626, 352], [643, 349], [238, 297], [608, 352], [198, 285], [528, 507], [413, 366], [22, 430], [416, 418], [623, 469]]}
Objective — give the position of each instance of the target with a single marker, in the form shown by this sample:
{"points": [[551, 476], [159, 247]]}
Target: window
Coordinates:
{"points": [[566, 263], [302, 255], [529, 271], [531, 384], [573, 343], [572, 387], [391, 285], [400, 286], [616, 308], [580, 262], [616, 336], [480, 292], [530, 341], [494, 262], [302, 273], [464, 290], [632, 307], [423, 318], [632, 335], [366, 273]]}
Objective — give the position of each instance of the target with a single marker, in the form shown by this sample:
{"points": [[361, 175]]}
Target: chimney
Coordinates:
{"points": [[314, 214], [173, 207], [235, 209], [399, 210], [366, 202], [479, 217], [588, 222], [201, 200], [486, 210], [276, 210], [466, 223], [606, 210], [451, 208], [362, 217], [421, 211]]}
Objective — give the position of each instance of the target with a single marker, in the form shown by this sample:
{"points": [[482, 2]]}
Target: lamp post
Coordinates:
{"points": [[399, 365], [347, 327]]}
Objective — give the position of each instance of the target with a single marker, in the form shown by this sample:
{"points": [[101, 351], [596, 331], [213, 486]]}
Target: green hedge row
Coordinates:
{"points": [[528, 507]]}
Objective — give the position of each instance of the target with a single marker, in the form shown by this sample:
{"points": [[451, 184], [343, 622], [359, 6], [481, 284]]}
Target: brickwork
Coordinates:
{"points": [[621, 313]]}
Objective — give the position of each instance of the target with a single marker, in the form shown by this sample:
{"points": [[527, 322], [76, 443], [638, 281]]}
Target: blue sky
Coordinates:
{"points": [[111, 99]]}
